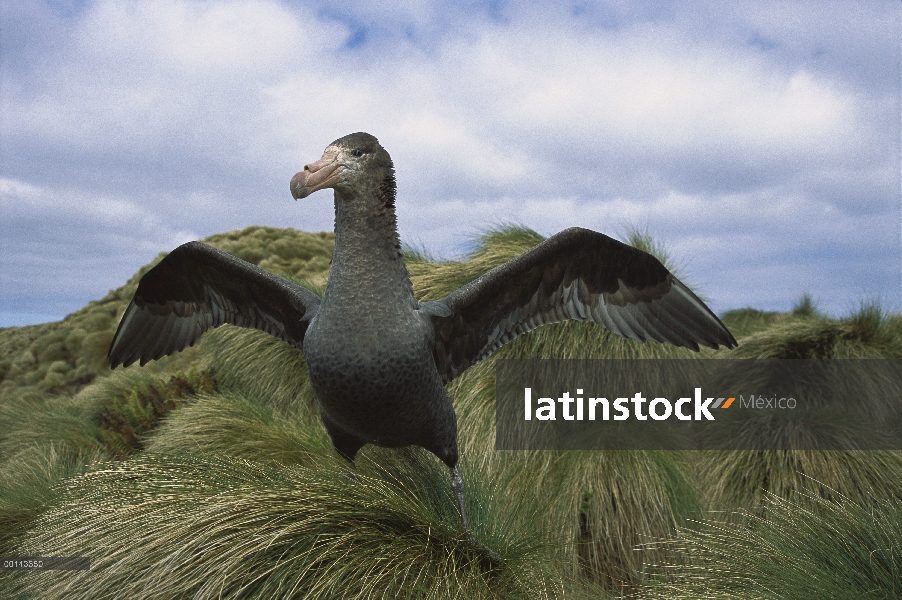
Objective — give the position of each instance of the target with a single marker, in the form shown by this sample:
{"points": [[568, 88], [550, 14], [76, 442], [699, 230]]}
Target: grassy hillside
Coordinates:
{"points": [[62, 358], [208, 474]]}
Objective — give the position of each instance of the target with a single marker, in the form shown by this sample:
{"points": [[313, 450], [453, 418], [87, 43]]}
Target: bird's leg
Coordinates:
{"points": [[457, 484], [351, 473]]}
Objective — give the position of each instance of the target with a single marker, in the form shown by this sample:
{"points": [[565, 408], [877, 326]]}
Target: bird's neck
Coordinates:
{"points": [[367, 263]]}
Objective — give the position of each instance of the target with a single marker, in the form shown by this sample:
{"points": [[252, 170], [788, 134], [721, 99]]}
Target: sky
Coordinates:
{"points": [[757, 142]]}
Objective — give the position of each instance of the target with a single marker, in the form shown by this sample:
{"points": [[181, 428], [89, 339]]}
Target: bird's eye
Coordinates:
{"points": [[357, 152]]}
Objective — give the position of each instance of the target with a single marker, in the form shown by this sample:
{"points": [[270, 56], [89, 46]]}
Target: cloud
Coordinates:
{"points": [[61, 247], [133, 124]]}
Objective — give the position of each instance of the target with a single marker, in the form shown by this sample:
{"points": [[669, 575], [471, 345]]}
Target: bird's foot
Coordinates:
{"points": [[492, 556]]}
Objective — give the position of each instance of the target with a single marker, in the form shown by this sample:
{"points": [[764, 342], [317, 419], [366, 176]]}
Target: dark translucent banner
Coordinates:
{"points": [[699, 404]]}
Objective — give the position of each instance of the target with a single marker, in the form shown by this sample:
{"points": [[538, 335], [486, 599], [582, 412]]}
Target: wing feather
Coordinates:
{"points": [[577, 274], [197, 287]]}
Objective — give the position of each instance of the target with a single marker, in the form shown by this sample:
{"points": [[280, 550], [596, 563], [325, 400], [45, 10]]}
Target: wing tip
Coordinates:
{"points": [[727, 341]]}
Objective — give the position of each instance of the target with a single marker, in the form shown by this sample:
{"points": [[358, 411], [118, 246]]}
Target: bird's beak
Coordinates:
{"points": [[324, 173]]}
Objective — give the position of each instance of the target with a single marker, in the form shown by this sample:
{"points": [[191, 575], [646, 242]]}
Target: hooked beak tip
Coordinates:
{"points": [[298, 186], [315, 176]]}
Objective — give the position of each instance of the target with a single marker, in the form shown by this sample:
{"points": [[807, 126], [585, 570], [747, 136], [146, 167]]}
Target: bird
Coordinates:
{"points": [[379, 360]]}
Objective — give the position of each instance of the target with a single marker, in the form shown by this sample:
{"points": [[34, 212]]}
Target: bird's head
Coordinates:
{"points": [[354, 163]]}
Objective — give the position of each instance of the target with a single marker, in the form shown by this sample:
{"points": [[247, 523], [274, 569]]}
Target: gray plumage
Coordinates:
{"points": [[377, 359]]}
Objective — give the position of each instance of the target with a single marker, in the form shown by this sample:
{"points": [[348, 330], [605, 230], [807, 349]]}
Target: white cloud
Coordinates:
{"points": [[229, 80], [20, 200], [171, 119], [64, 244]]}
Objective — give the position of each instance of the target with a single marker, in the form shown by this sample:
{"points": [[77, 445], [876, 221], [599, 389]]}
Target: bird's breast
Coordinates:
{"points": [[369, 378]]}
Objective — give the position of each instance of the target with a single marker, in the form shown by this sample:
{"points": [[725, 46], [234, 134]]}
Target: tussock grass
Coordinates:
{"points": [[434, 281], [643, 240], [805, 307], [744, 322], [202, 527], [806, 547], [47, 439], [869, 333], [286, 252], [112, 415], [29, 482], [63, 421], [238, 493], [260, 366], [234, 425], [745, 478], [610, 502], [126, 418]]}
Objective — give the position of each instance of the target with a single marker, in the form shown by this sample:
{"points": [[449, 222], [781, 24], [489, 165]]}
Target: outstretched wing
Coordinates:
{"points": [[197, 287], [577, 274]]}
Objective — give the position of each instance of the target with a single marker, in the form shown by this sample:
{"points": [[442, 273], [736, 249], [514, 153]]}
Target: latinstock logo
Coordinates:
{"points": [[696, 404], [591, 409]]}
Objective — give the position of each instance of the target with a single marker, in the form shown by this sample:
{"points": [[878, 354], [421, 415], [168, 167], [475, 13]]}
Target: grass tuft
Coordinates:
{"points": [[805, 307], [744, 478], [869, 333], [801, 548], [643, 240], [234, 425], [29, 481], [125, 419], [257, 365], [205, 527]]}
